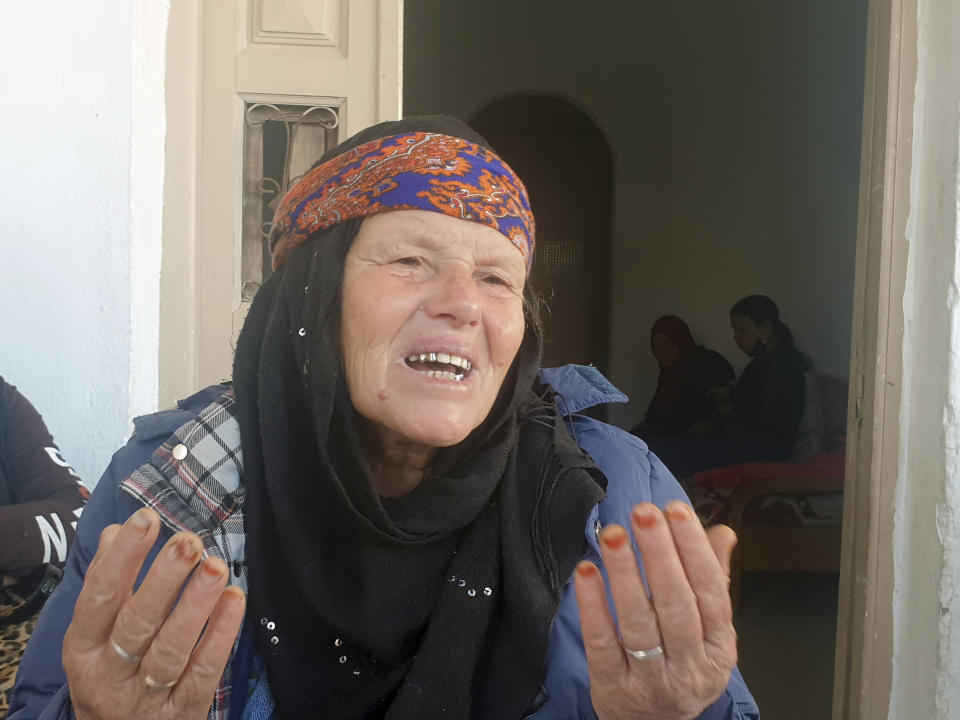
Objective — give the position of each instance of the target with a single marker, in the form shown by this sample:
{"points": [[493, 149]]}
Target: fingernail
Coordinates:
{"points": [[235, 596], [188, 551], [212, 573], [614, 537], [645, 517], [586, 569], [141, 520], [236, 592], [678, 511]]}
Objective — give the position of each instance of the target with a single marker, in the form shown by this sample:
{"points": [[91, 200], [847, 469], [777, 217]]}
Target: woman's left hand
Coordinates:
{"points": [[688, 614]]}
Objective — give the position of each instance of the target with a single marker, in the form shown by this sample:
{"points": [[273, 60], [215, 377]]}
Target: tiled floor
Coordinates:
{"points": [[786, 629]]}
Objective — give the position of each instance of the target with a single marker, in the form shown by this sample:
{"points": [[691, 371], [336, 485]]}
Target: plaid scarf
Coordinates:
{"points": [[203, 493]]}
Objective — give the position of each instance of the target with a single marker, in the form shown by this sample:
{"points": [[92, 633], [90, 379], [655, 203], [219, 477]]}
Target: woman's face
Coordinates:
{"points": [[666, 353], [432, 320], [747, 334]]}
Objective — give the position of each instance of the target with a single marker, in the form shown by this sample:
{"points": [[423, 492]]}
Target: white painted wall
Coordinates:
{"points": [[80, 198], [735, 132], [926, 632]]}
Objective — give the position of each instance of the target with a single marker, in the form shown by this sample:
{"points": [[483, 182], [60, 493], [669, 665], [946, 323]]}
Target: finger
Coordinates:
{"points": [[110, 578], [106, 537], [635, 615], [143, 614], [202, 675], [673, 599], [703, 563], [170, 650], [605, 658], [723, 540]]}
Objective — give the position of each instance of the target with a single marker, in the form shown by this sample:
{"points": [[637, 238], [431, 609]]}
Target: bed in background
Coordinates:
{"points": [[787, 515]]}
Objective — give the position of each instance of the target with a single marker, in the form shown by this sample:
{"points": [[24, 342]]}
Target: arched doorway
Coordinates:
{"points": [[566, 164]]}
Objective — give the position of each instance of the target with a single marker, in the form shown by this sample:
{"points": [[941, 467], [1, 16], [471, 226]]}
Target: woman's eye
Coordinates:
{"points": [[496, 280], [408, 261]]}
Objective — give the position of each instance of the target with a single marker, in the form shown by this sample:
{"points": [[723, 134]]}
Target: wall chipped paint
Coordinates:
{"points": [[949, 677], [78, 229], [926, 633]]}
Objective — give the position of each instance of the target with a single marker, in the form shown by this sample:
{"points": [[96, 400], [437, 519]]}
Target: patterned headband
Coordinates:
{"points": [[415, 171]]}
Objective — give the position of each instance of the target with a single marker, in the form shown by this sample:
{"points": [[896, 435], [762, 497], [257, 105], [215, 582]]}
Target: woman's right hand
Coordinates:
{"points": [[153, 653]]}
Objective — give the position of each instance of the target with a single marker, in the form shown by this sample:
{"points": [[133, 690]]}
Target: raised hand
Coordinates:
{"points": [[155, 653], [676, 647]]}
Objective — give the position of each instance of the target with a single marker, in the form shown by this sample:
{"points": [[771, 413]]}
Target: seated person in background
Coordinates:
{"points": [[691, 378], [40, 499], [768, 401], [770, 394]]}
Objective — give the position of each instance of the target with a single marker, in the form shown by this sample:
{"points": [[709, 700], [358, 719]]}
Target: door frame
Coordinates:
{"points": [[864, 645]]}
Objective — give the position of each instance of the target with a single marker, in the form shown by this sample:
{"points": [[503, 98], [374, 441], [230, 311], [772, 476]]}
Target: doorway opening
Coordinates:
{"points": [[566, 164], [735, 141]]}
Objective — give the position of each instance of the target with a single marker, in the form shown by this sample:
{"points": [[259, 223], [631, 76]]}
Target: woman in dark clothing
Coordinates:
{"points": [[770, 393], [691, 378], [395, 488]]}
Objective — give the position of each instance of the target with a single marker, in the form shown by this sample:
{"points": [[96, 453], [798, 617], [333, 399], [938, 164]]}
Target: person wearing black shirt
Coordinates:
{"points": [[40, 494], [41, 498], [770, 393]]}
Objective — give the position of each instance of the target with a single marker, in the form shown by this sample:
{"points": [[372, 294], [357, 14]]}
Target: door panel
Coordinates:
{"points": [[227, 56]]}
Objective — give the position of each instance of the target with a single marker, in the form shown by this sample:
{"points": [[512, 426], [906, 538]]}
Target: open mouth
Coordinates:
{"points": [[440, 365]]}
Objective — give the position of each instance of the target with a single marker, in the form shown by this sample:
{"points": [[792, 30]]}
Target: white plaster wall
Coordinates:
{"points": [[735, 131], [926, 632], [82, 88]]}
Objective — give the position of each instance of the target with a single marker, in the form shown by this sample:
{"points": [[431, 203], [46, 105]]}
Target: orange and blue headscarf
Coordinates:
{"points": [[412, 171]]}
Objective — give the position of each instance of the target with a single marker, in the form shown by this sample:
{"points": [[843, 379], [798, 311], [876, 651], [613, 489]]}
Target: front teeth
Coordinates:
{"points": [[455, 360]]}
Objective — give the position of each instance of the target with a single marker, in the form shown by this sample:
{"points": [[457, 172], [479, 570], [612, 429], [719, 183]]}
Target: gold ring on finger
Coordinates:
{"points": [[151, 683], [124, 654]]}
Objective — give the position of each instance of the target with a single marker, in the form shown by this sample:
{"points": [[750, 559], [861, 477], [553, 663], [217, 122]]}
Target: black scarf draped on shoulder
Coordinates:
{"points": [[435, 604]]}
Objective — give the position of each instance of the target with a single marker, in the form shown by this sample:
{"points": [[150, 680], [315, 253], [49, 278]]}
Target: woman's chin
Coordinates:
{"points": [[441, 437], [437, 429]]}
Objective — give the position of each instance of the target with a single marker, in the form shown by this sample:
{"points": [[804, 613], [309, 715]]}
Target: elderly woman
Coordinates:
{"points": [[393, 486]]}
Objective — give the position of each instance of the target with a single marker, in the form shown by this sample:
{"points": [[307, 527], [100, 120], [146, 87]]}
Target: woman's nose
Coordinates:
{"points": [[455, 298]]}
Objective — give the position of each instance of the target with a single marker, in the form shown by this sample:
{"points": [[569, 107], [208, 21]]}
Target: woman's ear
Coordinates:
{"points": [[765, 332]]}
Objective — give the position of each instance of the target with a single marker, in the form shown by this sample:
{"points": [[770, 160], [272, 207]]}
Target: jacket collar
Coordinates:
{"points": [[579, 387], [194, 480]]}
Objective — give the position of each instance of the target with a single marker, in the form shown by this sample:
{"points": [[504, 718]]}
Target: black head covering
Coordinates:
{"points": [[435, 604]]}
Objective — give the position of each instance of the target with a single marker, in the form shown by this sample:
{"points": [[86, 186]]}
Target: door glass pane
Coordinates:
{"points": [[281, 143]]}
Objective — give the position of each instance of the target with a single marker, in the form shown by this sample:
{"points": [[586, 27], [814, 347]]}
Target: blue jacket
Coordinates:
{"points": [[634, 475]]}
